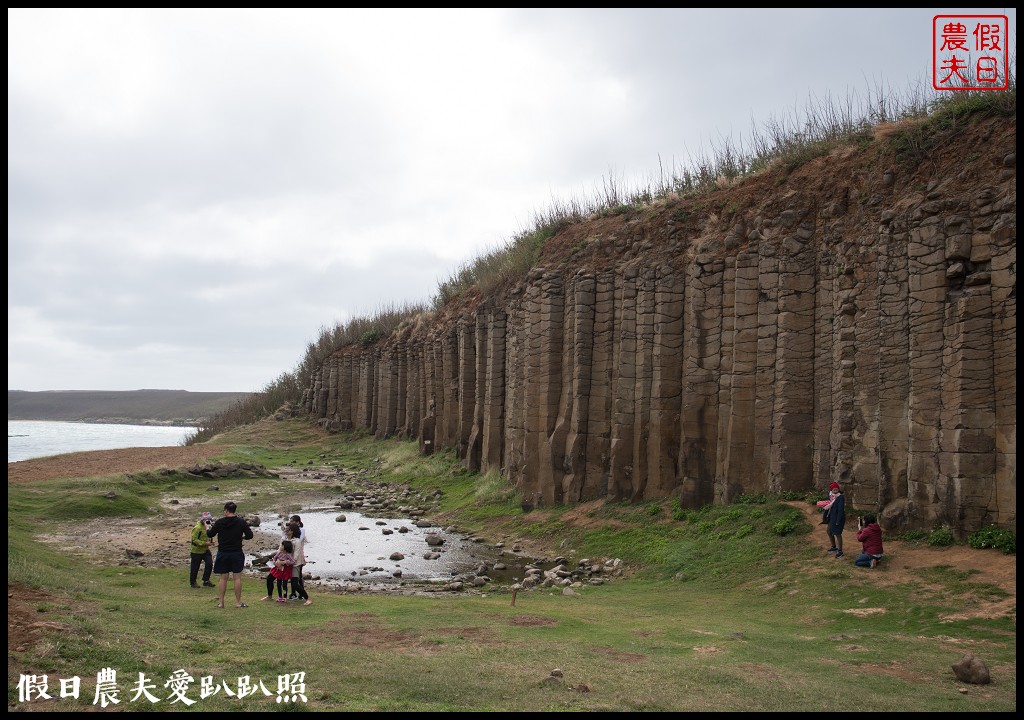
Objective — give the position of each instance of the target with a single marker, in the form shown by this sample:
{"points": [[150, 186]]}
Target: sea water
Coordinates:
{"points": [[41, 438]]}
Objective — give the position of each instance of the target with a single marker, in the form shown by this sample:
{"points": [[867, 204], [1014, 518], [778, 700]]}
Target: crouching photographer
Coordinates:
{"points": [[869, 534]]}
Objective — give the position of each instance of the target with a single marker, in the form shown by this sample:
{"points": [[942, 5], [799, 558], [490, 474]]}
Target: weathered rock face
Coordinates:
{"points": [[837, 324]]}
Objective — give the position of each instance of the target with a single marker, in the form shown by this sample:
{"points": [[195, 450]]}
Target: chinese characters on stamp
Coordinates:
{"points": [[970, 52]]}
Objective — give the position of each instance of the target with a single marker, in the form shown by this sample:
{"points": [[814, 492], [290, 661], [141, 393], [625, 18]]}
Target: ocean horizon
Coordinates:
{"points": [[29, 439]]}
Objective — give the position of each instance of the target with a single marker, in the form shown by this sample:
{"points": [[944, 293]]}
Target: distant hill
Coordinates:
{"points": [[147, 407]]}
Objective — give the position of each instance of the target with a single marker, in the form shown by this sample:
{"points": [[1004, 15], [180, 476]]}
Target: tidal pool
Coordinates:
{"points": [[342, 552]]}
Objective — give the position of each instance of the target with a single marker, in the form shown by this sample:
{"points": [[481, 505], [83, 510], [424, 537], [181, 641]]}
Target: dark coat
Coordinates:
{"points": [[837, 515]]}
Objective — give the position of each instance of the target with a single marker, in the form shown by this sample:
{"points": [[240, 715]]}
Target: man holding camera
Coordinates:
{"points": [[200, 552]]}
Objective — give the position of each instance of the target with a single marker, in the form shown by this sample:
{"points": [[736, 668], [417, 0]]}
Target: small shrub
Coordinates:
{"points": [[679, 513], [914, 536], [654, 510], [941, 537], [790, 495], [994, 537], [744, 531], [369, 337], [752, 499], [784, 526], [704, 525]]}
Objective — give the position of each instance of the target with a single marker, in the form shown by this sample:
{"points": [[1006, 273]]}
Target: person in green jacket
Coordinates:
{"points": [[200, 552]]}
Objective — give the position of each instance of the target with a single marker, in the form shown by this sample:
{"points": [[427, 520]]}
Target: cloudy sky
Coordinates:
{"points": [[191, 195]]}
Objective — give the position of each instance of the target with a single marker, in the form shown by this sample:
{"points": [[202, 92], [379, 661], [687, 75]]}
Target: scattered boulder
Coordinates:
{"points": [[972, 670], [340, 518], [434, 540], [397, 556]]}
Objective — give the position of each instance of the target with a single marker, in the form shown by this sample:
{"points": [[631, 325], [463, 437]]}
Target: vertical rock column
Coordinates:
{"points": [[725, 375], [345, 392], [893, 370], [322, 391], [966, 437], [387, 421], [466, 379], [367, 371], [864, 492], [599, 404], [438, 396], [474, 444], [332, 391], [646, 288], [493, 420], [401, 359], [1000, 242], [580, 362], [764, 372], [515, 397], [844, 361], [545, 309], [793, 420], [414, 388], [623, 380], [738, 466], [927, 275], [666, 383], [698, 453], [825, 335]]}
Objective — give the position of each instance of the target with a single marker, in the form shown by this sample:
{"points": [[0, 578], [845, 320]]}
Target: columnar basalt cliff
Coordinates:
{"points": [[851, 320]]}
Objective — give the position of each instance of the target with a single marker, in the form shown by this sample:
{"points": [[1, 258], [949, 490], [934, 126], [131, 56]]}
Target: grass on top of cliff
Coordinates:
{"points": [[726, 608]]}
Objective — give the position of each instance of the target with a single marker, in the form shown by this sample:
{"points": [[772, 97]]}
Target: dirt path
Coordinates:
{"points": [[904, 561]]}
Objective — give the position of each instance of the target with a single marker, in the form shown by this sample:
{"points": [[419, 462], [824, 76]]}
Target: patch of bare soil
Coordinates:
{"points": [[27, 618], [367, 631], [903, 562], [531, 621]]}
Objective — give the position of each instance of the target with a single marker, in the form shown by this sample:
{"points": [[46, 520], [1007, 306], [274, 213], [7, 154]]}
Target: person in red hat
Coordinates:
{"points": [[823, 504], [836, 511]]}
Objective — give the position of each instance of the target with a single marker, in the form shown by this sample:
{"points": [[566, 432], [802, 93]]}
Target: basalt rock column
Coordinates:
{"points": [[927, 304], [893, 370], [623, 377], [579, 364], [666, 383], [471, 336], [492, 429], [544, 308], [793, 416], [698, 454], [997, 241], [599, 404], [741, 387]]}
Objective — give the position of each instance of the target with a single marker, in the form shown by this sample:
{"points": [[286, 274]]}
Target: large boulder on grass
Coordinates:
{"points": [[972, 670]]}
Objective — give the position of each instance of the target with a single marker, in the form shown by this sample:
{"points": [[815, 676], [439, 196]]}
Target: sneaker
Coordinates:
{"points": [[207, 583], [839, 554], [832, 549], [282, 599], [193, 586], [874, 562]]}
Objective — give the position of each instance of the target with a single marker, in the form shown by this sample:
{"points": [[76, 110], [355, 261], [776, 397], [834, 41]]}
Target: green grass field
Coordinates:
{"points": [[719, 612]]}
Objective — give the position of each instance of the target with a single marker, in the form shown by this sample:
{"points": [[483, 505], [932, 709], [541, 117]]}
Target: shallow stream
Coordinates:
{"points": [[358, 551]]}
